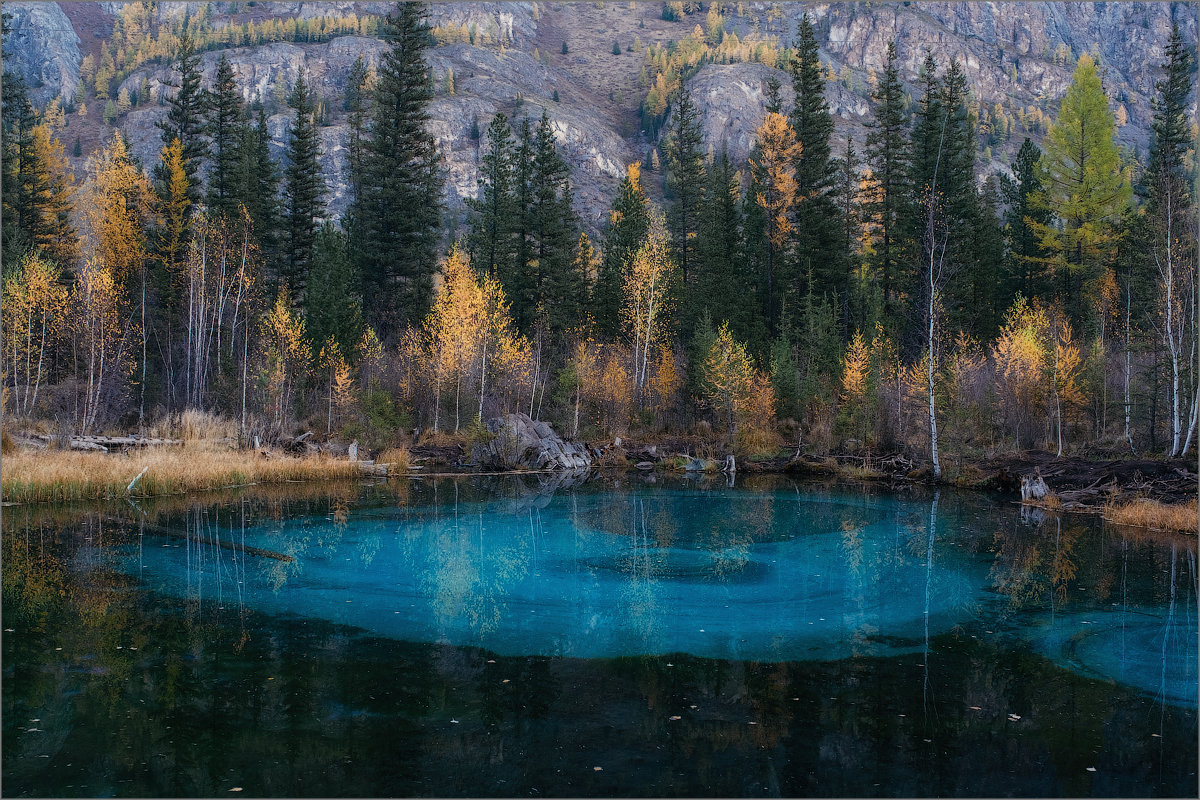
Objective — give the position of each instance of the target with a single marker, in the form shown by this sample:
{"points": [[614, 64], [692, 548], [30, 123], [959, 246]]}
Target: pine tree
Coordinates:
{"points": [[1086, 187], [685, 160], [887, 157], [305, 188], [490, 243], [814, 215], [396, 219], [224, 129], [185, 119], [628, 222]]}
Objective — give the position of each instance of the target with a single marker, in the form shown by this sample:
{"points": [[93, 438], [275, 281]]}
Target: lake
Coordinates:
{"points": [[615, 636]]}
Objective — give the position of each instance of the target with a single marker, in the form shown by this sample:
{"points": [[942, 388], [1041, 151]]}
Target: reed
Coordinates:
{"points": [[57, 476], [1153, 514]]}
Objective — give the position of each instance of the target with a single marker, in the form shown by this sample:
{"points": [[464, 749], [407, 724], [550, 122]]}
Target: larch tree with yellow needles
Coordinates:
{"points": [[118, 209], [775, 174]]}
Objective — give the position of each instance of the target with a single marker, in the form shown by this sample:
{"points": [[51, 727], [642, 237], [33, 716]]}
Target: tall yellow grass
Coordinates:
{"points": [[56, 476], [1153, 514]]}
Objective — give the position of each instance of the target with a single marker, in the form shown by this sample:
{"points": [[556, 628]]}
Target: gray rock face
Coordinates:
{"points": [[1006, 50], [518, 441], [44, 49]]}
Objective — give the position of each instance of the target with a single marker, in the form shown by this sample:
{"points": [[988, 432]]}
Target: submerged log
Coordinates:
{"points": [[159, 530]]}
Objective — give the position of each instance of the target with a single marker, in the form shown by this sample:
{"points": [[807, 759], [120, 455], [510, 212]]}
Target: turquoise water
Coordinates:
{"points": [[689, 639]]}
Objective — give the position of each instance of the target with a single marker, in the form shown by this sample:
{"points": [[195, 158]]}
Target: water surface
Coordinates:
{"points": [[489, 637]]}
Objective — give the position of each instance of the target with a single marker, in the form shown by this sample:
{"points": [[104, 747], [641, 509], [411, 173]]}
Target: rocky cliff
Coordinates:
{"points": [[1018, 57]]}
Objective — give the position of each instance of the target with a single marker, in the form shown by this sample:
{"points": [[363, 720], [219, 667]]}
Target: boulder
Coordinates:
{"points": [[517, 441]]}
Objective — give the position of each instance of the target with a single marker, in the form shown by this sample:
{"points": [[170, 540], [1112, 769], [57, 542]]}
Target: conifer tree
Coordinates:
{"points": [[225, 124], [259, 176], [1026, 258], [17, 119], [1170, 235], [357, 105], [1169, 125], [185, 119], [305, 188], [813, 213], [557, 288], [846, 197], [685, 159], [1086, 187], [45, 197], [333, 308], [628, 222], [773, 162], [396, 219], [725, 287], [887, 157], [490, 243]]}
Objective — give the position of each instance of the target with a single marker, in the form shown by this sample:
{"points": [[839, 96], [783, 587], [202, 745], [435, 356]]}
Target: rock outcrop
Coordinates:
{"points": [[518, 441], [44, 49]]}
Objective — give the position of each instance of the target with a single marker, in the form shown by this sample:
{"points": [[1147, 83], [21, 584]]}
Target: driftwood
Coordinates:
{"points": [[1033, 487]]}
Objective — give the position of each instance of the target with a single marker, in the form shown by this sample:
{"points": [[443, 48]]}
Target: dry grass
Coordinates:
{"points": [[753, 441], [6, 443], [57, 476], [442, 439], [397, 456], [1153, 514]]}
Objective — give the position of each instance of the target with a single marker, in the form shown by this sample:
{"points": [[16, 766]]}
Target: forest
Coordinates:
{"points": [[881, 299]]}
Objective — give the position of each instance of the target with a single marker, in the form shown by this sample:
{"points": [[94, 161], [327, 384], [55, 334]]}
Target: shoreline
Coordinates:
{"points": [[1129, 491]]}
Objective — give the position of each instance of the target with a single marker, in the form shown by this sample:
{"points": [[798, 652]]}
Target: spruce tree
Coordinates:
{"points": [[357, 105], [725, 287], [396, 219], [1025, 268], [333, 308], [628, 223], [185, 120], [557, 289], [814, 215], [845, 195], [259, 176], [1169, 127], [305, 188], [225, 131], [685, 159], [490, 242], [887, 157], [16, 129]]}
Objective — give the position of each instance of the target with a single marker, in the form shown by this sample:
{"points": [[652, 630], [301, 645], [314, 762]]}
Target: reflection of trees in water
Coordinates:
{"points": [[468, 573]]}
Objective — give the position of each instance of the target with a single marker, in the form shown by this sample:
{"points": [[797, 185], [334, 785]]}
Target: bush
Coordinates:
{"points": [[564, 47], [616, 51]]}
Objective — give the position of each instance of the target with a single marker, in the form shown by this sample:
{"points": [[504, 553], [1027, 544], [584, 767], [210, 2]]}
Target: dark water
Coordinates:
{"points": [[494, 637]]}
